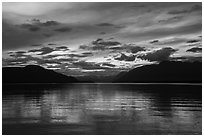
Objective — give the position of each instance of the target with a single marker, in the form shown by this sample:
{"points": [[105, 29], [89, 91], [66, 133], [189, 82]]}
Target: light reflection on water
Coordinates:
{"points": [[103, 109]]}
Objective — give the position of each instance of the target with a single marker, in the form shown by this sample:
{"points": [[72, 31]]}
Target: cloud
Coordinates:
{"points": [[62, 48], [83, 47], [50, 23], [105, 43], [36, 25], [100, 44], [105, 24], [154, 41], [102, 33], [192, 41], [30, 27], [63, 29], [158, 55], [123, 57], [195, 50], [87, 53], [44, 50], [51, 44], [108, 64], [133, 49], [192, 9], [47, 35]]}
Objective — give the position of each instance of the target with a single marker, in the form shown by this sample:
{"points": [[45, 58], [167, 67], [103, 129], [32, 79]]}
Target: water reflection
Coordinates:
{"points": [[102, 109]]}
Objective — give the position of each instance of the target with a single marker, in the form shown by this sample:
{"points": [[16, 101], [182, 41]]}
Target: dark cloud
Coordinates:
{"points": [[47, 35], [192, 41], [154, 41], [105, 24], [38, 23], [30, 27], [102, 33], [192, 9], [159, 55], [34, 28], [100, 44], [51, 44], [195, 49], [128, 47], [87, 53], [134, 49], [50, 23], [63, 29], [123, 57], [108, 64], [20, 52], [83, 47], [43, 50], [105, 43], [62, 48]]}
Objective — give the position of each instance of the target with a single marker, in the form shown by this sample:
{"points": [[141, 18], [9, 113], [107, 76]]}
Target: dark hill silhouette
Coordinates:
{"points": [[164, 72], [34, 74]]}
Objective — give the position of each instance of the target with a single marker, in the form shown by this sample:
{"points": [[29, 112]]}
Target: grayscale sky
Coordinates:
{"points": [[100, 38]]}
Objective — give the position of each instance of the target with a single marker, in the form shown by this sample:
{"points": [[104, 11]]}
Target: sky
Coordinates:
{"points": [[83, 39]]}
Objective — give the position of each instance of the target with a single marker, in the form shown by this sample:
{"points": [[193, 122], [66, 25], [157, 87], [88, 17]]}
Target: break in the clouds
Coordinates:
{"points": [[82, 38]]}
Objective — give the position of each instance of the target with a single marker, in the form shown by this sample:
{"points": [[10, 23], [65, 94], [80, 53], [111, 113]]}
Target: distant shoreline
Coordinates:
{"points": [[107, 83]]}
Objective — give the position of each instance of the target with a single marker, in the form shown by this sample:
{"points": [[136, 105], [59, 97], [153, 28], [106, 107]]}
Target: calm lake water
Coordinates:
{"points": [[102, 109]]}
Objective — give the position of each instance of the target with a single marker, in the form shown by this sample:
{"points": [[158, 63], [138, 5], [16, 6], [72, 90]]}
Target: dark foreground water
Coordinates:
{"points": [[102, 109]]}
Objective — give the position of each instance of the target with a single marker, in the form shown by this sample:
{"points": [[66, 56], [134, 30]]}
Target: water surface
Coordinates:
{"points": [[102, 109]]}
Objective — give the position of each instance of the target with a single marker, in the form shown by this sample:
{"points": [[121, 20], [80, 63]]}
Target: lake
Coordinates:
{"points": [[98, 109]]}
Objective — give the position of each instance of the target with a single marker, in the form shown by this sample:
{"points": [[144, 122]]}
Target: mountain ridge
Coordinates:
{"points": [[164, 72], [34, 74]]}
